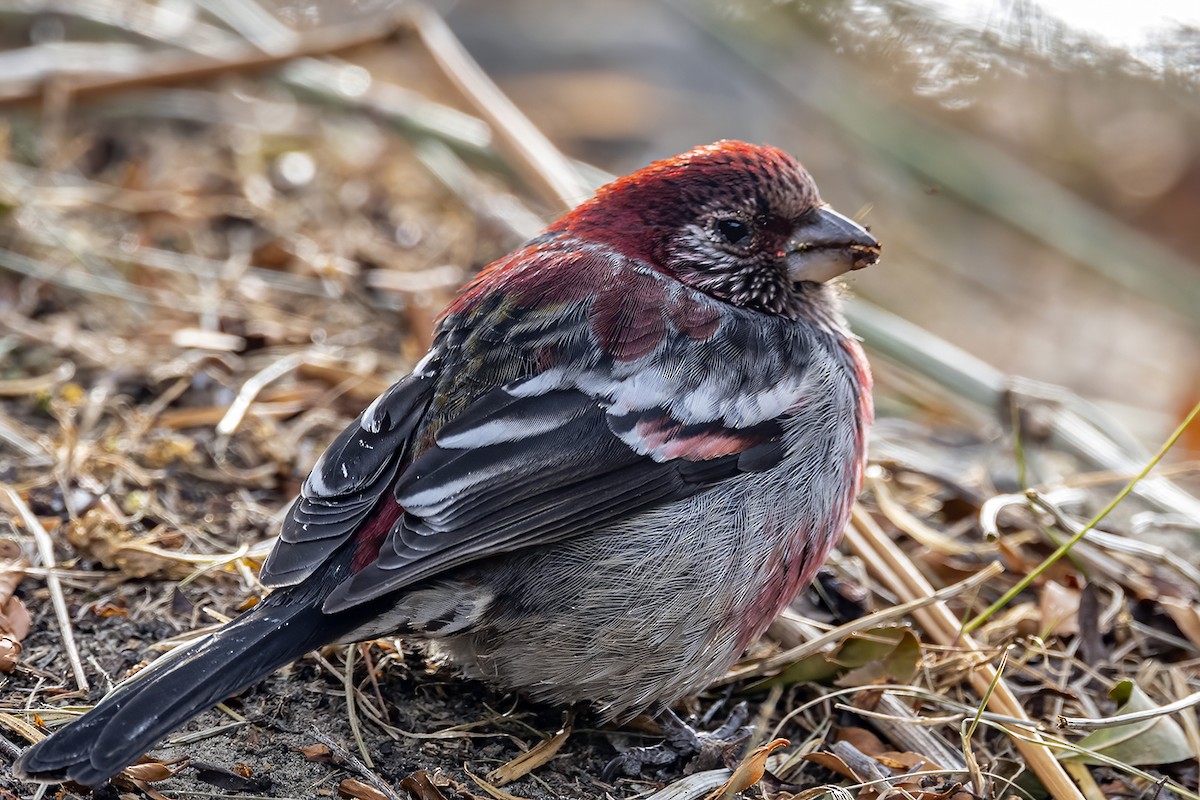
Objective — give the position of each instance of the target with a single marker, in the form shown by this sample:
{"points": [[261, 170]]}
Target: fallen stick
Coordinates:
{"points": [[46, 551]]}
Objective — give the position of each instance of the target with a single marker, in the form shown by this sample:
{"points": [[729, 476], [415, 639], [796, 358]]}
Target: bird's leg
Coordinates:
{"points": [[681, 740]]}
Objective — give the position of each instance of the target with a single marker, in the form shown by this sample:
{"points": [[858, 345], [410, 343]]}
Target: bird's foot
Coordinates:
{"points": [[680, 741]]}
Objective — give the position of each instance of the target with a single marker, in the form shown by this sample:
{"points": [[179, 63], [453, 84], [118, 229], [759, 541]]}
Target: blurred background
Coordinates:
{"points": [[1032, 168], [1034, 177]]}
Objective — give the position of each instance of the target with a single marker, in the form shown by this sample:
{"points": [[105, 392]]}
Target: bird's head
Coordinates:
{"points": [[743, 223]]}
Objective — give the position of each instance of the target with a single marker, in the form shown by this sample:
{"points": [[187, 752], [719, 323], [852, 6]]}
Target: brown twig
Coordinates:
{"points": [[902, 577], [358, 767], [173, 68], [45, 548], [543, 165], [352, 706], [1080, 723]]}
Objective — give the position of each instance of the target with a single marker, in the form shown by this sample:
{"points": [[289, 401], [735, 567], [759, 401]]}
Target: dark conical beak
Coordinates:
{"points": [[825, 244]]}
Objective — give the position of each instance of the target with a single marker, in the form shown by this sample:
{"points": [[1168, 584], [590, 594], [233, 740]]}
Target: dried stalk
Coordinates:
{"points": [[902, 577], [45, 548], [1085, 724], [173, 68], [549, 171]]}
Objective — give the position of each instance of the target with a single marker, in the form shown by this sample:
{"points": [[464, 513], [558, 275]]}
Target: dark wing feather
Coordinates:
{"points": [[545, 414], [516, 471], [348, 480]]}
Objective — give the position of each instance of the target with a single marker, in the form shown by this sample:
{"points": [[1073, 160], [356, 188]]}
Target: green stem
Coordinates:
{"points": [[1065, 547]]}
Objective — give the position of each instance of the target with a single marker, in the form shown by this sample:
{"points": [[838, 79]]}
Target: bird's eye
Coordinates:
{"points": [[733, 231]]}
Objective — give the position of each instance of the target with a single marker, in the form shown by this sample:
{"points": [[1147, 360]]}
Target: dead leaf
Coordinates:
{"points": [[1059, 609], [1151, 742], [12, 571], [527, 762], [832, 762], [140, 776], [97, 535], [863, 740], [1021, 560], [1186, 616], [897, 665], [421, 786], [10, 654], [864, 657], [357, 790], [14, 616], [150, 771], [316, 752], [750, 771]]}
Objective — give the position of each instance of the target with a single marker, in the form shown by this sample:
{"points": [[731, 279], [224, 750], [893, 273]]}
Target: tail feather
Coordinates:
{"points": [[177, 687]]}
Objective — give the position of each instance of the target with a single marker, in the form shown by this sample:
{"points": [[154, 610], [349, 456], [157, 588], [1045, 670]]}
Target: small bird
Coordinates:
{"points": [[632, 442]]}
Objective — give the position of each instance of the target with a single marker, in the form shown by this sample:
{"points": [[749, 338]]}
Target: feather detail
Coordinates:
{"points": [[632, 442], [628, 321]]}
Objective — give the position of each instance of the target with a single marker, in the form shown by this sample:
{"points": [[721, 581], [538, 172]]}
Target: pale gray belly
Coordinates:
{"points": [[657, 607], [654, 608]]}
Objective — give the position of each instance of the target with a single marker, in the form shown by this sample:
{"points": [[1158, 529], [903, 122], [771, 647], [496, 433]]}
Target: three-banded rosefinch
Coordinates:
{"points": [[631, 444]]}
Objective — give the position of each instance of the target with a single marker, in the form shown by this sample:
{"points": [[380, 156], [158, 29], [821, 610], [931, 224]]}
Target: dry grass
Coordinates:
{"points": [[200, 285]]}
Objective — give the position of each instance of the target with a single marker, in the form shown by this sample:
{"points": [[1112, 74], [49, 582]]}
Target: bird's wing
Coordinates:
{"points": [[517, 471], [349, 480], [646, 395]]}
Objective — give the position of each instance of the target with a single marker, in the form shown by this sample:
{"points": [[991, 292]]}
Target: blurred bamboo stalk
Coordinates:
{"points": [[168, 23], [983, 385], [172, 68], [977, 172], [540, 161]]}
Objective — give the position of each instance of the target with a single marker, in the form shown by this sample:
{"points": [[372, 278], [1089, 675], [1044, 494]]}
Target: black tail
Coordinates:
{"points": [[177, 687]]}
